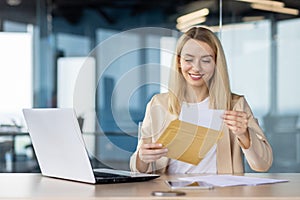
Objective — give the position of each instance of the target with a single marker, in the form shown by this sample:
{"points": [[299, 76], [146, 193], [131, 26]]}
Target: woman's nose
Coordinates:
{"points": [[197, 66]]}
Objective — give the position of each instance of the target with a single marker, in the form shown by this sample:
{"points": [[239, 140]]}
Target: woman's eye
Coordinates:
{"points": [[188, 60], [206, 61]]}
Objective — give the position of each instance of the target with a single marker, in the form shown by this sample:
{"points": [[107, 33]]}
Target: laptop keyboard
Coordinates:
{"points": [[108, 175]]}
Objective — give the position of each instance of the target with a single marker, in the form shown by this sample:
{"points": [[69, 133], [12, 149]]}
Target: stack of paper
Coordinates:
{"points": [[231, 180]]}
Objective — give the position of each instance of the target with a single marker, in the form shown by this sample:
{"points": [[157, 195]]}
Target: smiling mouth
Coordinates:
{"points": [[196, 76]]}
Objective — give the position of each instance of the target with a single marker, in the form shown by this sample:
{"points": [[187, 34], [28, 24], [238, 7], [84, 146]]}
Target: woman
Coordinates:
{"points": [[200, 76]]}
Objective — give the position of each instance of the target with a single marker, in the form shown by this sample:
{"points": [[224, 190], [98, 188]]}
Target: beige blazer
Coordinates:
{"points": [[229, 151]]}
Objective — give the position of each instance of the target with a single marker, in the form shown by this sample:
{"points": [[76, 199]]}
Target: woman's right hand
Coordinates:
{"points": [[151, 152]]}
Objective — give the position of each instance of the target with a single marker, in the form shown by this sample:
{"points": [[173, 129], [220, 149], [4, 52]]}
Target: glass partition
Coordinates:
{"points": [[261, 51], [16, 86]]}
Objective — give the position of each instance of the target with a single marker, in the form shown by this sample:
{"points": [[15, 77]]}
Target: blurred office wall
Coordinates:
{"points": [[261, 52]]}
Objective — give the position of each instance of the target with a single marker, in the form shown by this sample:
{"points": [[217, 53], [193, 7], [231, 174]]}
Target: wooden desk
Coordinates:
{"points": [[34, 186]]}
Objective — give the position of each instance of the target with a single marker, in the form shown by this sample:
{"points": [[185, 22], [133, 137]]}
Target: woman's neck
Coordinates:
{"points": [[196, 94]]}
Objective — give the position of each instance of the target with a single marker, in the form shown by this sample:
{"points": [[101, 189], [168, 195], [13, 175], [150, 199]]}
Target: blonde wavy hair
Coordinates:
{"points": [[218, 86]]}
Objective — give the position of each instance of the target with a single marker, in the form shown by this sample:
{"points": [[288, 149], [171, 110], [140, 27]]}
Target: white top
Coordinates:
{"points": [[209, 162]]}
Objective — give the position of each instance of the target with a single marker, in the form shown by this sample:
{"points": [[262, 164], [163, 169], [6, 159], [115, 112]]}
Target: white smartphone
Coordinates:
{"points": [[189, 185]]}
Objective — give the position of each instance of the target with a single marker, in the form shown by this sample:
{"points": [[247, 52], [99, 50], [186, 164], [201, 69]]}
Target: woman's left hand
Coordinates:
{"points": [[236, 121]]}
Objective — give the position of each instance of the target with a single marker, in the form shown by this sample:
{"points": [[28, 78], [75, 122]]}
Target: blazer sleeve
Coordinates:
{"points": [[259, 155], [146, 122], [155, 120]]}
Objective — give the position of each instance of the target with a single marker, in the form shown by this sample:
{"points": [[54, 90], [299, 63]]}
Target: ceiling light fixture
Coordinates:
{"points": [[186, 21], [265, 2], [13, 2], [184, 26], [284, 10], [252, 18], [196, 14]]}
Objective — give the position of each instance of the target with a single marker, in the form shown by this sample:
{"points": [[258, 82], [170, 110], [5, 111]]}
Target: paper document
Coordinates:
{"points": [[231, 180], [208, 118], [188, 140]]}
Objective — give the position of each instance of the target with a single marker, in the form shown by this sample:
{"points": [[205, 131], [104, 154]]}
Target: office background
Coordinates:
{"points": [[107, 58]]}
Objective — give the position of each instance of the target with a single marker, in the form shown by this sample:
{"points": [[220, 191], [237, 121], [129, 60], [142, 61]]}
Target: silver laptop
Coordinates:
{"points": [[60, 150]]}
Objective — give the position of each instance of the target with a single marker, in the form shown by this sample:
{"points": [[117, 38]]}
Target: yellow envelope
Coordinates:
{"points": [[188, 142]]}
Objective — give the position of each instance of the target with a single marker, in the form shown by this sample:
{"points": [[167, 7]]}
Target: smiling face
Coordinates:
{"points": [[199, 71], [197, 62]]}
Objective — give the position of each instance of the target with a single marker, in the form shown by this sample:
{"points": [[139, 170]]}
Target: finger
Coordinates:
{"points": [[151, 155], [242, 119], [233, 112], [154, 151], [231, 127], [237, 130], [239, 124], [148, 159], [152, 146]]}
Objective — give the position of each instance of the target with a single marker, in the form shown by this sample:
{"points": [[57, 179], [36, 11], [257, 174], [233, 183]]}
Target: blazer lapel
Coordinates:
{"points": [[224, 158]]}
